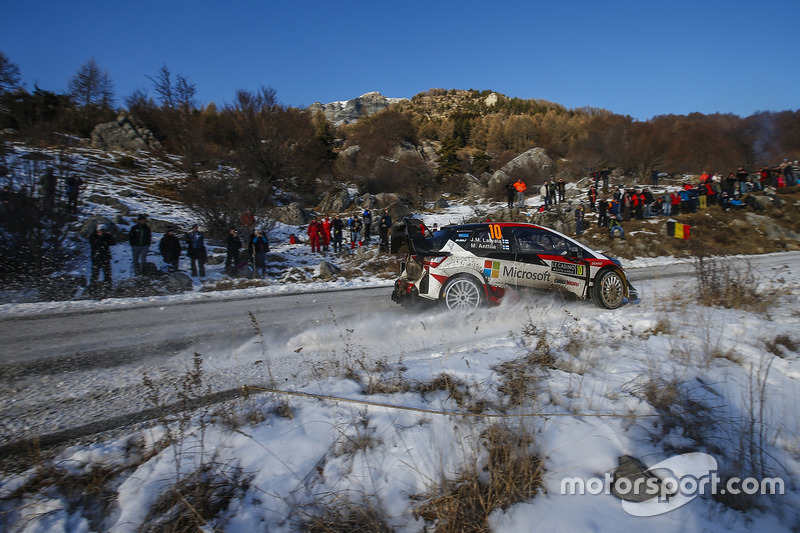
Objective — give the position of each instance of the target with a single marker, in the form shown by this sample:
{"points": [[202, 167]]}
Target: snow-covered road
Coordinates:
{"points": [[69, 374]]}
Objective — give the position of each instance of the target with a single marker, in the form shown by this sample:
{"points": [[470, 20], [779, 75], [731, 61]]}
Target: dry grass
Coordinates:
{"points": [[679, 410], [730, 283], [344, 516], [195, 500], [456, 389], [782, 345], [510, 473]]}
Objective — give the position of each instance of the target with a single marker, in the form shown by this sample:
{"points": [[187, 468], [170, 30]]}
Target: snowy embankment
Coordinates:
{"points": [[379, 440]]}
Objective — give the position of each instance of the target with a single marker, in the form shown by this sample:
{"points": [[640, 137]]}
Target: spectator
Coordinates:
{"points": [[386, 224], [314, 230], [170, 248], [741, 179], [140, 238], [654, 177], [338, 229], [592, 198], [367, 224], [100, 243], [196, 250], [326, 232], [232, 246], [561, 186], [666, 203], [606, 176], [520, 187], [73, 191], [616, 227], [511, 192], [579, 214], [355, 232], [247, 222], [649, 199], [258, 249], [675, 201], [545, 192], [602, 212]]}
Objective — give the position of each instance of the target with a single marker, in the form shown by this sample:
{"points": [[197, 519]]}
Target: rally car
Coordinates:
{"points": [[470, 265]]}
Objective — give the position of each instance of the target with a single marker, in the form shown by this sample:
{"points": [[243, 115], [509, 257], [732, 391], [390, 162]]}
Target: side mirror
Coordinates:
{"points": [[573, 252]]}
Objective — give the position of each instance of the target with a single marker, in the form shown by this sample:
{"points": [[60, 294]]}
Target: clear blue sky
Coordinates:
{"points": [[636, 57]]}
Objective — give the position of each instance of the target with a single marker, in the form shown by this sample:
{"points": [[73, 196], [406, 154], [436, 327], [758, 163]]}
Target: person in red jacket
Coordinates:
{"points": [[675, 200], [314, 230], [326, 232]]}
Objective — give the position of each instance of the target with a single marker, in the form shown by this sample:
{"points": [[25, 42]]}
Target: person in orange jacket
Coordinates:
{"points": [[520, 187]]}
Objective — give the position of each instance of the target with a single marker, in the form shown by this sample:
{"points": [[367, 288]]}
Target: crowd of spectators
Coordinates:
{"points": [[734, 190]]}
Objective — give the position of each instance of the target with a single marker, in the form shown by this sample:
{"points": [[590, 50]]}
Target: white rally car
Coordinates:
{"points": [[470, 265]]}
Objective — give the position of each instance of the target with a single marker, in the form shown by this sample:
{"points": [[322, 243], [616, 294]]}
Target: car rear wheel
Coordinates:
{"points": [[462, 294], [609, 289]]}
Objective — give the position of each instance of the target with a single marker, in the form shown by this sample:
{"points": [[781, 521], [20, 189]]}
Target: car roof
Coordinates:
{"points": [[476, 225]]}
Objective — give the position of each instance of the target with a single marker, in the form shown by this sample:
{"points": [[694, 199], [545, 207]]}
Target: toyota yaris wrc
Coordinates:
{"points": [[470, 265]]}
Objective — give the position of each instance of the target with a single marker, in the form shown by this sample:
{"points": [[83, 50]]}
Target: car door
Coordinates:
{"points": [[531, 252], [492, 248], [563, 261]]}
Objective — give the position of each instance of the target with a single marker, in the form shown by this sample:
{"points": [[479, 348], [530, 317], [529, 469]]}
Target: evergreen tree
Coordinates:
{"points": [[449, 162]]}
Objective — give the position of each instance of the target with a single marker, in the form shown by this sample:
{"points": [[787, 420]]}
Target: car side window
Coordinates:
{"points": [[537, 241], [482, 242]]}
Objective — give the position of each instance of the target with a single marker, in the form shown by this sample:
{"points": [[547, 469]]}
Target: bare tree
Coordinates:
{"points": [[182, 123], [91, 87], [9, 74]]}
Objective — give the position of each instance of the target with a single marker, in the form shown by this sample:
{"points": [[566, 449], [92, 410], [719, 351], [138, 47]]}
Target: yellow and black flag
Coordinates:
{"points": [[678, 230]]}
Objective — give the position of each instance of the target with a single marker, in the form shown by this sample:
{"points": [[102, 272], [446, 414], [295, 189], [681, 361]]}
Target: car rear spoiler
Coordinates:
{"points": [[409, 236]]}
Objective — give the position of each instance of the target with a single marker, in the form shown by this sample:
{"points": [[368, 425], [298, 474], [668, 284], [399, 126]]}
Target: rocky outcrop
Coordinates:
{"points": [[534, 158], [560, 217], [336, 201], [351, 110], [292, 214], [126, 133]]}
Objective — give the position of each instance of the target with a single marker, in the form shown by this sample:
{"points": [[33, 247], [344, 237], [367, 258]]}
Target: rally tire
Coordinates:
{"points": [[609, 289], [462, 294]]}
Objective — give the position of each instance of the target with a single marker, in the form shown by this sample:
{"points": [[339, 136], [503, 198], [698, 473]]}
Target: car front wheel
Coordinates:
{"points": [[609, 289], [462, 294]]}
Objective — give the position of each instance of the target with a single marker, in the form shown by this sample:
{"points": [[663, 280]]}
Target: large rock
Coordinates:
{"points": [[176, 283], [336, 201], [158, 284], [397, 211], [126, 133], [560, 217], [346, 112], [292, 214], [110, 201], [535, 158], [770, 228], [328, 270]]}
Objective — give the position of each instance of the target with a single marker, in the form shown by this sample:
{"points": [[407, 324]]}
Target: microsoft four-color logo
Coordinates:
{"points": [[491, 269]]}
